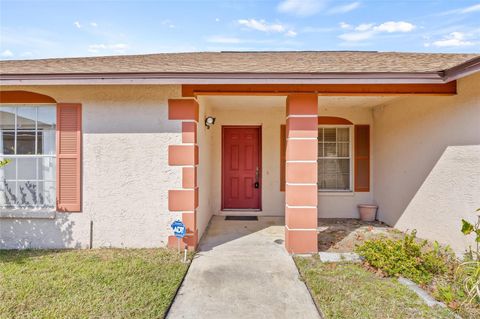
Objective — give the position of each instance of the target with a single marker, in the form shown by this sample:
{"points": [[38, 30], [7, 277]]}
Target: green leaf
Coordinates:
{"points": [[467, 228]]}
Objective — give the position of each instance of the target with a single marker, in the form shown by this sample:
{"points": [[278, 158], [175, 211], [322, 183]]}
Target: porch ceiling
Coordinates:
{"points": [[242, 102]]}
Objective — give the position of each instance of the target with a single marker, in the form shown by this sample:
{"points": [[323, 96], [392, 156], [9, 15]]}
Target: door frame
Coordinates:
{"points": [[260, 179]]}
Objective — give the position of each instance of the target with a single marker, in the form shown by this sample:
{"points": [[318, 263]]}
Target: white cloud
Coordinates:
{"points": [[364, 27], [454, 39], [7, 54], [77, 24], [466, 10], [93, 24], [344, 8], [395, 26], [345, 25], [301, 7], [263, 26], [223, 39], [290, 33], [474, 8], [115, 48], [366, 31], [217, 19]]}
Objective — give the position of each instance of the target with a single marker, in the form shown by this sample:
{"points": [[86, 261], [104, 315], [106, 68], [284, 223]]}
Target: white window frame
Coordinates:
{"points": [[350, 158], [36, 156]]}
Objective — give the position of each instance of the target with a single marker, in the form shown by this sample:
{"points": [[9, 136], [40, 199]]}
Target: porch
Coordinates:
{"points": [[314, 154]]}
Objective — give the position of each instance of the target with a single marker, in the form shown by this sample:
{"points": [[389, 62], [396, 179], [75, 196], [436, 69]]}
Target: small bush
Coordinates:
{"points": [[407, 257]]}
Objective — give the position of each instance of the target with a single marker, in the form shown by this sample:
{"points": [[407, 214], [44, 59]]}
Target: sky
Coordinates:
{"points": [[47, 29]]}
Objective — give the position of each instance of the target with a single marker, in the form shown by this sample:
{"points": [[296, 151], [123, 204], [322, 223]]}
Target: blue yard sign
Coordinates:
{"points": [[179, 229]]}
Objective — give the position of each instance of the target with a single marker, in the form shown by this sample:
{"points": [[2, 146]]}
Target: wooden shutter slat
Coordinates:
{"points": [[69, 146], [362, 158]]}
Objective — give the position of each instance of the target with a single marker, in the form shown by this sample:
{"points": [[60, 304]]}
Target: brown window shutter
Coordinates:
{"points": [[283, 151], [362, 158], [69, 155]]}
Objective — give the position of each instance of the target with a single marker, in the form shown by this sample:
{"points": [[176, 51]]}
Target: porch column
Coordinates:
{"points": [[185, 155], [301, 194]]}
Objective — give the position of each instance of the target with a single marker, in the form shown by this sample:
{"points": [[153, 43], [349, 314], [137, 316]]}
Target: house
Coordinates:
{"points": [[109, 151]]}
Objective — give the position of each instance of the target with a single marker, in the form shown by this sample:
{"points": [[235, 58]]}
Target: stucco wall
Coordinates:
{"points": [[204, 210], [126, 176], [427, 163]]}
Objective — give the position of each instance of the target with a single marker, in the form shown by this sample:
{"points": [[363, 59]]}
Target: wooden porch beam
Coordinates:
{"points": [[191, 90]]}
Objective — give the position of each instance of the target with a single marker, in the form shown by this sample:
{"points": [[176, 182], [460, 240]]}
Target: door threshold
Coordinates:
{"points": [[239, 212]]}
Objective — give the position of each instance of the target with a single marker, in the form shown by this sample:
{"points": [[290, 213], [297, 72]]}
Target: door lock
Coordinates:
{"points": [[257, 173]]}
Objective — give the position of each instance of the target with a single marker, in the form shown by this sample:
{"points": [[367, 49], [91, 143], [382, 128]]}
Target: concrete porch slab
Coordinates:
{"points": [[242, 270]]}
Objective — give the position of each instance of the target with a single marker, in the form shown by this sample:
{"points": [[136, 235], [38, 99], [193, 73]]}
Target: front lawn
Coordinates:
{"points": [[106, 283], [346, 290]]}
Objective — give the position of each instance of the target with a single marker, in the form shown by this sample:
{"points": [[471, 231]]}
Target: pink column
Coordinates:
{"points": [[185, 199], [301, 195]]}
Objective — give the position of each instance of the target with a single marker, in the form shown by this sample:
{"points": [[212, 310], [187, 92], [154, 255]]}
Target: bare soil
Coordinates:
{"points": [[343, 234]]}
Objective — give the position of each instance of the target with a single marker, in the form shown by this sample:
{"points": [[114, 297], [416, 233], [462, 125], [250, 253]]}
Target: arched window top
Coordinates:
{"points": [[24, 97], [333, 120]]}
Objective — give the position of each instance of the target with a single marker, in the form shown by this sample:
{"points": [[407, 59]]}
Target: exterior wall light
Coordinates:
{"points": [[209, 121]]}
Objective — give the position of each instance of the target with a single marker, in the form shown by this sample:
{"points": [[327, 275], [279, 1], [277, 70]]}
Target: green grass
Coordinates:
{"points": [[346, 290], [103, 283]]}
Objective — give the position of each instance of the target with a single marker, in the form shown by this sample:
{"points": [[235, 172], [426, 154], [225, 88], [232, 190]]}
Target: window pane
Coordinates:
{"points": [[320, 150], [330, 181], [343, 181], [330, 134], [343, 150], [343, 134], [46, 142], [46, 168], [7, 142], [46, 194], [7, 194], [26, 116], [343, 166], [7, 117], [8, 171], [27, 194], [330, 150], [27, 168], [25, 142], [46, 117]]}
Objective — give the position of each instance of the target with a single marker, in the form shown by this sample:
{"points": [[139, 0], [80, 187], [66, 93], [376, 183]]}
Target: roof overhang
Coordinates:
{"points": [[220, 78], [440, 77]]}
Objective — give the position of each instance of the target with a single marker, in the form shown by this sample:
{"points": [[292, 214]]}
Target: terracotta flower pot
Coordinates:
{"points": [[367, 212]]}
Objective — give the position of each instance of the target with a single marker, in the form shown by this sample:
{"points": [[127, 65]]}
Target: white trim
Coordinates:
{"points": [[288, 206], [301, 115], [300, 229], [301, 138], [300, 161]]}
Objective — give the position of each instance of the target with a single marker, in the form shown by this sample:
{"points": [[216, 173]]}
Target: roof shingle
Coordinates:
{"points": [[243, 62]]}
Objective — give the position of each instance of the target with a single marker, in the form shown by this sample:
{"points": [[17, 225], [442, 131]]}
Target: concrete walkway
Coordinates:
{"points": [[243, 271]]}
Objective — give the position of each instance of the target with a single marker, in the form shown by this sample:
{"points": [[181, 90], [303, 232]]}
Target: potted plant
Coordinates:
{"points": [[367, 212]]}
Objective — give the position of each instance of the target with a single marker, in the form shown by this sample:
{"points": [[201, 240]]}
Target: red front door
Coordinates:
{"points": [[241, 168]]}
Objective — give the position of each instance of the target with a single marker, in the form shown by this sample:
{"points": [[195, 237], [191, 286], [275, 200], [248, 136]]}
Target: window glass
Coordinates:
{"points": [[334, 162], [7, 118], [27, 139], [26, 117]]}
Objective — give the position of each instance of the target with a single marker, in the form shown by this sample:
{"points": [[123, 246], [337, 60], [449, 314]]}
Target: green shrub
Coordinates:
{"points": [[406, 257]]}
